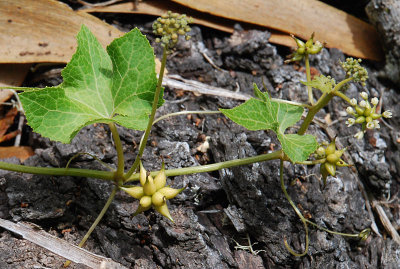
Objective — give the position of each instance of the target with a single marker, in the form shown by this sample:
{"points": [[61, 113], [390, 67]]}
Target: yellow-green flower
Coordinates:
{"points": [[153, 192], [332, 158]]}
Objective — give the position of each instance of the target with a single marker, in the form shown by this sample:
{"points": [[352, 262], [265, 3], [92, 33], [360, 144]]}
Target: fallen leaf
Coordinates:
{"points": [[22, 152], [11, 75], [44, 31], [158, 8], [339, 29]]}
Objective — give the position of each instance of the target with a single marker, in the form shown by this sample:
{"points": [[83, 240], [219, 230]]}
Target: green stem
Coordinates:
{"points": [[323, 101], [120, 151], [308, 74], [153, 112], [298, 214], [184, 113], [96, 222], [216, 166], [330, 231], [50, 171], [341, 84], [343, 96], [312, 162]]}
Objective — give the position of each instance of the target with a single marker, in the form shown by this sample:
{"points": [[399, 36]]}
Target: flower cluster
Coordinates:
{"points": [[331, 157], [364, 113], [153, 192], [355, 70], [169, 26], [303, 49]]}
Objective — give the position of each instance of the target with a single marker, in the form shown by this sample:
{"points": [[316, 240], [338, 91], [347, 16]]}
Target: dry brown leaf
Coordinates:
{"points": [[22, 152], [7, 121], [337, 28], [44, 31], [11, 75], [157, 8]]}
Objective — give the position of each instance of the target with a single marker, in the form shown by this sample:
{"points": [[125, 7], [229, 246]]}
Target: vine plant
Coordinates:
{"points": [[119, 86]]}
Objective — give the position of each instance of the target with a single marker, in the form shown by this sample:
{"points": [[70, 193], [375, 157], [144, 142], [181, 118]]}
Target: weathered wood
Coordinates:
{"points": [[44, 31], [60, 247], [339, 29]]}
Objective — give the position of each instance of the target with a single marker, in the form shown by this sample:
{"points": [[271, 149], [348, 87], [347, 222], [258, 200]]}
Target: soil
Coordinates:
{"points": [[218, 211]]}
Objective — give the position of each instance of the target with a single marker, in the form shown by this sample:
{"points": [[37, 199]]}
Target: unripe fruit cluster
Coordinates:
{"points": [[332, 158], [169, 26], [310, 47], [364, 113], [153, 192], [355, 70]]}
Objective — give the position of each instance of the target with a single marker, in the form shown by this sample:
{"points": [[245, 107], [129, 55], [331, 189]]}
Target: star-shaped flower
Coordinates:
{"points": [[153, 192]]}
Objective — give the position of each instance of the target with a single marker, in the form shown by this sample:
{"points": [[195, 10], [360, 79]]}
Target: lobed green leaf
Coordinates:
{"points": [[264, 114], [114, 86], [322, 83]]}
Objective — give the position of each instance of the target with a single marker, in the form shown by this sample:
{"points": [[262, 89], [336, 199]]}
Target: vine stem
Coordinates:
{"points": [[96, 222], [216, 166], [343, 96], [153, 113], [120, 151], [308, 74], [50, 171], [298, 214], [184, 113], [323, 101]]}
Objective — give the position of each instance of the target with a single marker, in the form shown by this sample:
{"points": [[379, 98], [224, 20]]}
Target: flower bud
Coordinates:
{"points": [[353, 101], [169, 192], [332, 158], [370, 125], [374, 101], [149, 188], [359, 135], [145, 202], [360, 119], [331, 148], [387, 114], [316, 48], [320, 152], [163, 210], [142, 174], [359, 110], [160, 179], [324, 173], [375, 116], [299, 43], [135, 192], [364, 95], [330, 168], [158, 199], [350, 122], [350, 110], [363, 103]]}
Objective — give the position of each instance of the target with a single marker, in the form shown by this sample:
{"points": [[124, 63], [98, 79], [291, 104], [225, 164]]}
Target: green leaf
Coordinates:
{"points": [[325, 84], [256, 114], [117, 86]]}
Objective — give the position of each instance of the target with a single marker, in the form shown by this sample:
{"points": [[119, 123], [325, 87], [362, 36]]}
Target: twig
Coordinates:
{"points": [[20, 120], [60, 247], [102, 4], [177, 82], [386, 222]]}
